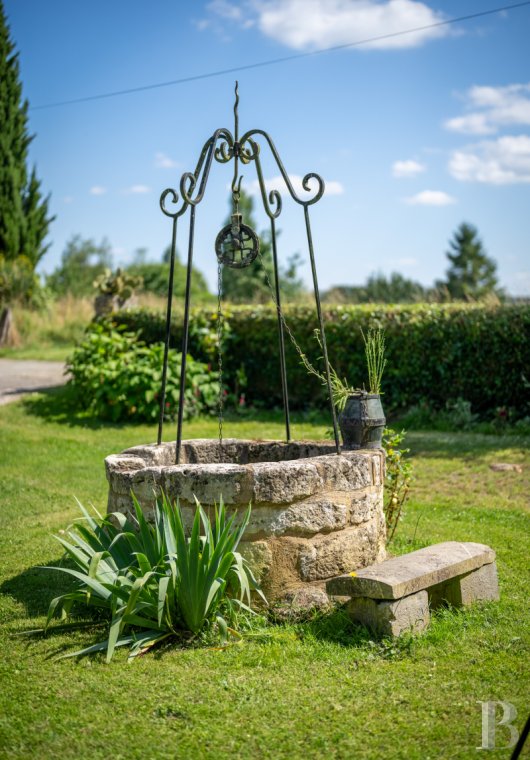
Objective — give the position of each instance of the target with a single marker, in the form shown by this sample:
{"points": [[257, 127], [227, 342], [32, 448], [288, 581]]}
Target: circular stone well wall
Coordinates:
{"points": [[315, 514]]}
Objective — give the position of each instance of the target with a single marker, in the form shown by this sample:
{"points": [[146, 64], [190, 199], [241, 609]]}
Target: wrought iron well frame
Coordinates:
{"points": [[192, 189]]}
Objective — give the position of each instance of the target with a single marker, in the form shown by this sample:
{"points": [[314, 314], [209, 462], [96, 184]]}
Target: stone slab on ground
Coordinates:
{"points": [[410, 573]]}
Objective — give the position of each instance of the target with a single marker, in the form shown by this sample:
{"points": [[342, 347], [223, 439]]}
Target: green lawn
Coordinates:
{"points": [[313, 690], [42, 352]]}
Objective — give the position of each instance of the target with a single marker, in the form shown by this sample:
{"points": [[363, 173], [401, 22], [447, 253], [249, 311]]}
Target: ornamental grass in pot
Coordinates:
{"points": [[361, 417]]}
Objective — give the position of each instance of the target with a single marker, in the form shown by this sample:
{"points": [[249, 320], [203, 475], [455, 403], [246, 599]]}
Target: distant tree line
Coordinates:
{"points": [[471, 276]]}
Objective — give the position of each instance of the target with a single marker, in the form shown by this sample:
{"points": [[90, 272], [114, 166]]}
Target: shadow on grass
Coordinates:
{"points": [[334, 626], [37, 586], [61, 406]]}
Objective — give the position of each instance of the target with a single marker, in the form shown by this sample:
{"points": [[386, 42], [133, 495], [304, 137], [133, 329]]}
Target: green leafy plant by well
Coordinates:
{"points": [[155, 583], [117, 377], [398, 479], [374, 351]]}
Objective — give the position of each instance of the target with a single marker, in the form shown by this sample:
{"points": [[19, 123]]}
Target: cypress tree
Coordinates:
{"points": [[24, 219]]}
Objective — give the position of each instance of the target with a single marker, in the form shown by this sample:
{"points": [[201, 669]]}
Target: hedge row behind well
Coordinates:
{"points": [[436, 352]]}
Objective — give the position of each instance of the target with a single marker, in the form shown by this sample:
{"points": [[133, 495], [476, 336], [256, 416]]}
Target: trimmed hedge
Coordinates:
{"points": [[436, 352]]}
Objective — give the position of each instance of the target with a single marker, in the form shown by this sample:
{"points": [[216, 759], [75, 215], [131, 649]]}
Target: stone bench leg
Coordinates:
{"points": [[477, 586], [390, 617]]}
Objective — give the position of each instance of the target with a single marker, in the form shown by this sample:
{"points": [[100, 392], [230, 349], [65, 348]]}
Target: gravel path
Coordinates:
{"points": [[18, 377]]}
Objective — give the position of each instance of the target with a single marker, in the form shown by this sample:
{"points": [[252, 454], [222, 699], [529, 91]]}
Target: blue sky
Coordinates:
{"points": [[413, 134]]}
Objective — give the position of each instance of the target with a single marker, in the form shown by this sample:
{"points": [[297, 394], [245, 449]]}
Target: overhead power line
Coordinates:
{"points": [[283, 59]]}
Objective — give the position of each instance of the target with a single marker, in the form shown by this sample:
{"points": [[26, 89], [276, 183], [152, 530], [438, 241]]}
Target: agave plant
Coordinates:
{"points": [[154, 581]]}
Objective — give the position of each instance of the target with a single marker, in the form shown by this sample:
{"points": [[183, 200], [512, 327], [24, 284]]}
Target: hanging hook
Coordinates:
{"points": [[236, 185]]}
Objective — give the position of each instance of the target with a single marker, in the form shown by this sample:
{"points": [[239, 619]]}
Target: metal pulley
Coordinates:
{"points": [[237, 245]]}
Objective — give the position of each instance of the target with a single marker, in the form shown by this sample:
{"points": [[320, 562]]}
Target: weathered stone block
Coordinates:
{"points": [[298, 603], [305, 518], [281, 485], [208, 483], [478, 585], [344, 472], [147, 484], [391, 618], [354, 547], [258, 554], [365, 504]]}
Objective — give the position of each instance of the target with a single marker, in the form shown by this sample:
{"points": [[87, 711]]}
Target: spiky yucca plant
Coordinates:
{"points": [[154, 581]]}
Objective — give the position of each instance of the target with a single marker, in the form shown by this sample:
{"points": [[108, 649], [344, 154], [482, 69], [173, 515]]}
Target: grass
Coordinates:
{"points": [[323, 688]]}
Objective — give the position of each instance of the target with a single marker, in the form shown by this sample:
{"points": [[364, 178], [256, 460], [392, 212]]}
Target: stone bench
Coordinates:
{"points": [[397, 595]]}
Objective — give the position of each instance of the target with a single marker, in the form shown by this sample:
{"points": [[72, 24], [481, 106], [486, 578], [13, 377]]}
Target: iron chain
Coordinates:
{"points": [[220, 349]]}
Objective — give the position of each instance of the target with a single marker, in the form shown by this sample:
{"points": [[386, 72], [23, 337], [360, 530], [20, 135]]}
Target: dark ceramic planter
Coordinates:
{"points": [[362, 422]]}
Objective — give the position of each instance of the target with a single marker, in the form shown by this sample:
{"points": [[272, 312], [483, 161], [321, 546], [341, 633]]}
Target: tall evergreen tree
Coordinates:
{"points": [[472, 273], [24, 219]]}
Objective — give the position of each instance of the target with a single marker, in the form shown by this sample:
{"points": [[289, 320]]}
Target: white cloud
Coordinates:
{"points": [[431, 198], [226, 10], [277, 183], [503, 161], [68, 199], [407, 261], [163, 161], [491, 108], [472, 124], [407, 168], [138, 189], [242, 14], [311, 24], [98, 190]]}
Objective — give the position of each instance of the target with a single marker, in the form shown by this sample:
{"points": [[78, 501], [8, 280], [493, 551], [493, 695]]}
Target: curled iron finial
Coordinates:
{"points": [[174, 198], [236, 114]]}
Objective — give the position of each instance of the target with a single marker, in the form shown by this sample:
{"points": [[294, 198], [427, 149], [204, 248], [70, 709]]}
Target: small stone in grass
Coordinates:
{"points": [[505, 467], [299, 603]]}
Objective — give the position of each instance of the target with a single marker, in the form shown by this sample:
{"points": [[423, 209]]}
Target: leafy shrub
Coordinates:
{"points": [[117, 283], [397, 481], [116, 376], [456, 415], [154, 582], [19, 283], [436, 352]]}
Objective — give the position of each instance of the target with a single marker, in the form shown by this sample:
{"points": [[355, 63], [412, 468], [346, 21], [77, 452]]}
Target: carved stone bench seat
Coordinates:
{"points": [[397, 595]]}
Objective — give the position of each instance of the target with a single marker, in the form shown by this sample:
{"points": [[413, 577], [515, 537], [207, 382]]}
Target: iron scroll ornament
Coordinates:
{"points": [[237, 245]]}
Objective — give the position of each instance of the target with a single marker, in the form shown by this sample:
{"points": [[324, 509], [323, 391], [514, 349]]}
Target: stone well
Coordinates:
{"points": [[315, 514]]}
